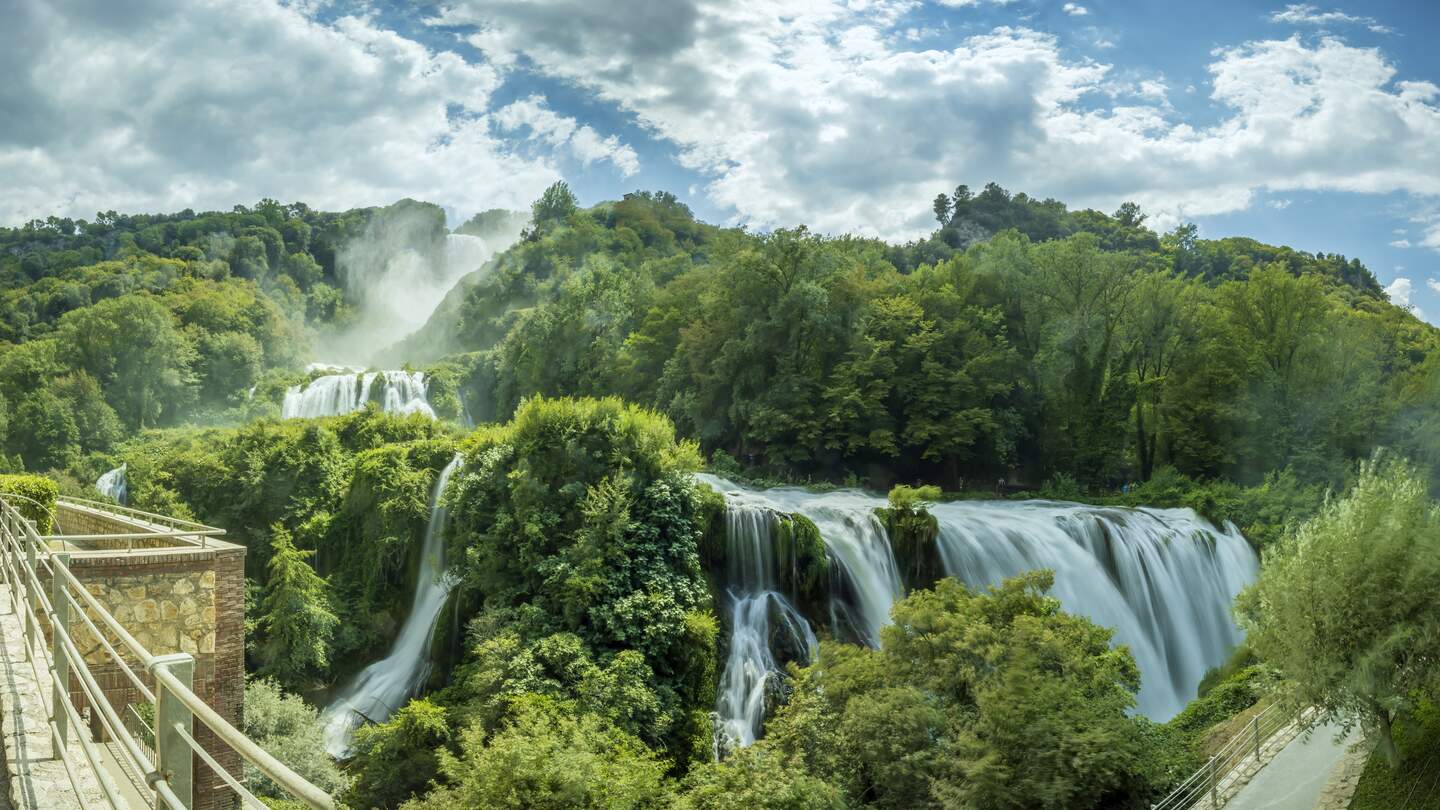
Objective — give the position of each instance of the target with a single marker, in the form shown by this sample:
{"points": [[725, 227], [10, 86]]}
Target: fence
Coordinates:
{"points": [[1210, 786], [162, 755]]}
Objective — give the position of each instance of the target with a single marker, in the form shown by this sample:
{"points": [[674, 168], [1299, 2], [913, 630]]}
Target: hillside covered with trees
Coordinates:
{"points": [[614, 352]]}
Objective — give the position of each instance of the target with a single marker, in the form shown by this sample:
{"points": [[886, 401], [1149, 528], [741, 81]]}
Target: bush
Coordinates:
{"points": [[35, 498], [395, 760], [288, 728]]}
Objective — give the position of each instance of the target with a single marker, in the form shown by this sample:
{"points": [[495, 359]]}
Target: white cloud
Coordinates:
{"points": [[1279, 205], [1433, 285], [813, 112], [1307, 14], [176, 104], [1075, 9], [1399, 293], [583, 142], [1400, 243]]}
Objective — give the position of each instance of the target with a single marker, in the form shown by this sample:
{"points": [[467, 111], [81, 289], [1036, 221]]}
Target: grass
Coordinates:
{"points": [[1415, 785]]}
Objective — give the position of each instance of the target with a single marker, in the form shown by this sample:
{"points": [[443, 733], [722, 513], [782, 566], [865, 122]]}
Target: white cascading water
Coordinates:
{"points": [[855, 542], [384, 686], [402, 392], [762, 623], [113, 484], [1162, 579]]}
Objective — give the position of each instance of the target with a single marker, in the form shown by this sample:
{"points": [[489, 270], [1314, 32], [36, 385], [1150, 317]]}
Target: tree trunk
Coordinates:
{"points": [[1142, 441], [1387, 741]]}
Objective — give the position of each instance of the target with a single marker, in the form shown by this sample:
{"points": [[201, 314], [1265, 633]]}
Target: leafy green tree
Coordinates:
{"points": [[130, 344], [555, 205], [297, 622], [548, 760], [289, 728], [1344, 605], [941, 206], [43, 431], [1162, 326], [394, 761], [994, 699], [756, 779]]}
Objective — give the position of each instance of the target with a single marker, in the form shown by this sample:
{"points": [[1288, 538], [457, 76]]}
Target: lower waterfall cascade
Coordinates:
{"points": [[1162, 579], [760, 616], [385, 685]]}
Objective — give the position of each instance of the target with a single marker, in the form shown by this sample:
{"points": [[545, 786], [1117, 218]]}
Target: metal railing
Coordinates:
{"points": [[1208, 787], [165, 759], [151, 525]]}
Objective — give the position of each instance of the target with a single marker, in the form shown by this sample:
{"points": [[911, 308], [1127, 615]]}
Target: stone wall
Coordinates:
{"points": [[183, 599]]}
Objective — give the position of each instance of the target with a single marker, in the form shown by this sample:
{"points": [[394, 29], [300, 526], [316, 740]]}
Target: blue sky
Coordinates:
{"points": [[1313, 125]]}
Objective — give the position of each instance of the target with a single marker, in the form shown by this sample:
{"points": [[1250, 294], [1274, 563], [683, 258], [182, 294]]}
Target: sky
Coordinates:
{"points": [[1311, 125]]}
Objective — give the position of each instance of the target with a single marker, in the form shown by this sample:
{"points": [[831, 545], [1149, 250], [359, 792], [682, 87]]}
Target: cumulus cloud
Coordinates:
{"points": [[1433, 285], [822, 113], [1075, 9], [166, 104], [1400, 243], [587, 145], [1307, 14], [1399, 292]]}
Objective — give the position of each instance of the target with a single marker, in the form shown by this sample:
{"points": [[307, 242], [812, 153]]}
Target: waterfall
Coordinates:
{"points": [[113, 485], [1162, 579], [403, 392], [863, 565], [762, 621], [384, 686]]}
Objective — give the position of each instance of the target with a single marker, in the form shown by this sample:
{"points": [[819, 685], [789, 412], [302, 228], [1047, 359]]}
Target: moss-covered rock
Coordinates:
{"points": [[804, 566], [914, 534]]}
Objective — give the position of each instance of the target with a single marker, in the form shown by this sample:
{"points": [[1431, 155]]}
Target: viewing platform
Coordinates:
{"points": [[141, 617]]}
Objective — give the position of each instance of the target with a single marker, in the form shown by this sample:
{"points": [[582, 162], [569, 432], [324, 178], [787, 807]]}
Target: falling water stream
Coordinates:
{"points": [[113, 484], [384, 686], [763, 624], [1162, 579], [402, 392]]}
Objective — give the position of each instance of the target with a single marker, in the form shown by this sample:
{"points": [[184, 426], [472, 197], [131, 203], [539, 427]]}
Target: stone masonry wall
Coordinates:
{"points": [[183, 599]]}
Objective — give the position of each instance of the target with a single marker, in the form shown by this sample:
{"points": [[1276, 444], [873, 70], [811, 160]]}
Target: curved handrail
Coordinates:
{"points": [[22, 553]]}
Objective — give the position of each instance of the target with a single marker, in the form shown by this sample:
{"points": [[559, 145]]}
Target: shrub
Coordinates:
{"points": [[35, 498]]}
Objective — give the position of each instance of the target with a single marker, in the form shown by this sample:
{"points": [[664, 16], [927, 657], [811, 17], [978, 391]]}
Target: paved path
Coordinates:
{"points": [[1296, 777], [35, 778]]}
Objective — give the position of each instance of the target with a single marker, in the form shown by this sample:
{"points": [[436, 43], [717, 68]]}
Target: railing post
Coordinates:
{"points": [[174, 759], [59, 623], [1214, 784], [33, 596], [1256, 723]]}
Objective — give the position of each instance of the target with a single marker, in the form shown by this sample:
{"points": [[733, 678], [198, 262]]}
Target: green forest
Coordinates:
{"points": [[589, 371]]}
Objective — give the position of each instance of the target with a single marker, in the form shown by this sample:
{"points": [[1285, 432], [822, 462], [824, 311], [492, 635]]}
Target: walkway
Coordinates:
{"points": [[1298, 775], [37, 780]]}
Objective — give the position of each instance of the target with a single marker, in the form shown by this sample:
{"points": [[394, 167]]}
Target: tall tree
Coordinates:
{"points": [[296, 621], [1345, 605], [130, 344]]}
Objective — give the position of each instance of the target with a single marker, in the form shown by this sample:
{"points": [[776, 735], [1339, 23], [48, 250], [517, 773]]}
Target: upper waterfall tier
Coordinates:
{"points": [[335, 394], [1162, 579]]}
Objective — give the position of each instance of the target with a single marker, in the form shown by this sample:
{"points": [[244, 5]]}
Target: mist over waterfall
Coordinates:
{"points": [[1162, 579], [766, 629], [398, 271], [402, 392], [114, 485], [384, 686]]}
